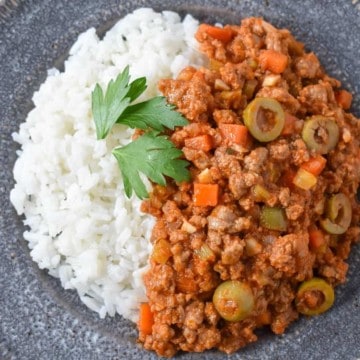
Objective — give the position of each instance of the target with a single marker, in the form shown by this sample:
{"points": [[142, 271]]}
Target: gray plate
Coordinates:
{"points": [[38, 319]]}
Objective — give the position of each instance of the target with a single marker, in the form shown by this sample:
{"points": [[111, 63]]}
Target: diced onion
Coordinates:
{"points": [[304, 179]]}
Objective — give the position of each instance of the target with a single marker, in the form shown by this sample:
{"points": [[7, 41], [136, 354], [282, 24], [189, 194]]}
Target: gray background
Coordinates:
{"points": [[40, 320]]}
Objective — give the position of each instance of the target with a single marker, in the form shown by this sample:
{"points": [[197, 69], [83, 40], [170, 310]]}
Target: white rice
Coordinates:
{"points": [[81, 227]]}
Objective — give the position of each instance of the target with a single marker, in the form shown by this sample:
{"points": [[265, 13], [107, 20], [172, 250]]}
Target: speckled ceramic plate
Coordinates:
{"points": [[40, 320]]}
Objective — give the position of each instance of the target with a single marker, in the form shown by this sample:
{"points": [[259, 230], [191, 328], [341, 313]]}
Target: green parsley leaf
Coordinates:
{"points": [[137, 87], [119, 94], [154, 155], [155, 113]]}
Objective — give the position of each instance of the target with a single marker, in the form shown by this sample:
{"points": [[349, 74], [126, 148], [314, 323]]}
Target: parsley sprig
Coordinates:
{"points": [[154, 156], [152, 153]]}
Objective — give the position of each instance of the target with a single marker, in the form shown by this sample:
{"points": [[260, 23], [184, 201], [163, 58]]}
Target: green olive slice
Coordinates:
{"points": [[338, 213], [265, 119], [320, 133], [233, 300], [314, 297]]}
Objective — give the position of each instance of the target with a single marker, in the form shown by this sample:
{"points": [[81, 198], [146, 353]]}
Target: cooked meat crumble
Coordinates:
{"points": [[272, 216]]}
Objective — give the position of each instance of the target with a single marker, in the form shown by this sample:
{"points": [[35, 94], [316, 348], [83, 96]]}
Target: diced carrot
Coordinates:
{"points": [[316, 239], [223, 34], [235, 133], [289, 126], [205, 194], [146, 319], [344, 99], [201, 142], [315, 165], [273, 60]]}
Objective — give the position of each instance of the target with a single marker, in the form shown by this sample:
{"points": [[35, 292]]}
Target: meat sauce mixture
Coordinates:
{"points": [[262, 231]]}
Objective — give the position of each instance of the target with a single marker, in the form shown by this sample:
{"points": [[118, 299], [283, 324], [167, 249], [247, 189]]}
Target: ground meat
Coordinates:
{"points": [[307, 66], [192, 98], [227, 163], [284, 196], [237, 185], [256, 159], [281, 321], [236, 75], [212, 316], [290, 255], [333, 268], [299, 152], [159, 231], [261, 229], [191, 130], [317, 97], [293, 212], [225, 219], [236, 335], [283, 96], [279, 150], [232, 250], [199, 158], [194, 315], [209, 338], [162, 279], [226, 117]]}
